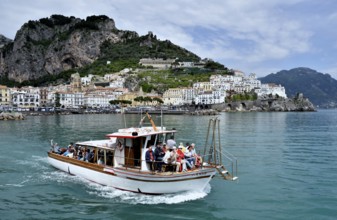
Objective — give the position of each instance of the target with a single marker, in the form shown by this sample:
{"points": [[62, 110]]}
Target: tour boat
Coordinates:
{"points": [[119, 162]]}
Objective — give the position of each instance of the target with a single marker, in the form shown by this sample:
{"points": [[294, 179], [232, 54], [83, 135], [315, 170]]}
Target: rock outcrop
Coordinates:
{"points": [[52, 45], [11, 116], [268, 104]]}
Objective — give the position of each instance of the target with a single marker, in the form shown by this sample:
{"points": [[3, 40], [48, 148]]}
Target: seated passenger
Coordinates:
{"points": [[80, 154], [71, 153], [67, 151], [171, 158], [182, 147], [100, 161], [149, 158], [182, 159], [198, 159], [189, 156], [159, 154], [56, 148], [91, 156]]}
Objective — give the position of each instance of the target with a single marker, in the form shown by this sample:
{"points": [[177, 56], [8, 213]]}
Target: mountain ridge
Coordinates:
{"points": [[320, 88], [50, 46]]}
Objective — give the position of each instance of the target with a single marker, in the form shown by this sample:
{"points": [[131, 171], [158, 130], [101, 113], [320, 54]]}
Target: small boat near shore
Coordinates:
{"points": [[119, 161]]}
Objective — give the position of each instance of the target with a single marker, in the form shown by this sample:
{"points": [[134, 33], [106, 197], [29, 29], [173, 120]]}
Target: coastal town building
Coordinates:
{"points": [[158, 63], [271, 88], [95, 91], [210, 97], [27, 97], [173, 96], [70, 99], [5, 98]]}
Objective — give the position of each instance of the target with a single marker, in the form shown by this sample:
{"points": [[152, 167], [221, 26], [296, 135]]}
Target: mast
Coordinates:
{"points": [[151, 121]]}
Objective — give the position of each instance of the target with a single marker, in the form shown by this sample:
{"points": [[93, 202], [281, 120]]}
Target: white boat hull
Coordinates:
{"points": [[135, 181]]}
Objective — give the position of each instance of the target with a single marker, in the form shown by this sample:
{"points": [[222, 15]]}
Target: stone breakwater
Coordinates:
{"points": [[11, 116]]}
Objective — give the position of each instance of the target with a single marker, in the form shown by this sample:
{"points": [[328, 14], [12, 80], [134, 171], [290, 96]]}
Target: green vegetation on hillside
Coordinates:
{"points": [[116, 56]]}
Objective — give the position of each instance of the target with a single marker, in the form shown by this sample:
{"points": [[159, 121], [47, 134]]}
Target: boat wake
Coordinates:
{"points": [[135, 198]]}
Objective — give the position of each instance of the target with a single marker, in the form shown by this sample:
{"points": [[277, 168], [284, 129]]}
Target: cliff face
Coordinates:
{"points": [[4, 40], [52, 45]]}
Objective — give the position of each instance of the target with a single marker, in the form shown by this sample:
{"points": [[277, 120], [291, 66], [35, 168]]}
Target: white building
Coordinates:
{"points": [[69, 99], [173, 96], [101, 97], [28, 97], [271, 88], [210, 97], [157, 63]]}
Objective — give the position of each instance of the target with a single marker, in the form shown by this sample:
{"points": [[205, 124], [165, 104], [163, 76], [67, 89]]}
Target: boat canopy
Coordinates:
{"points": [[139, 132], [104, 144]]}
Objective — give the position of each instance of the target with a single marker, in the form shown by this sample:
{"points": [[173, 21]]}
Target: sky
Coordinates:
{"points": [[254, 36]]}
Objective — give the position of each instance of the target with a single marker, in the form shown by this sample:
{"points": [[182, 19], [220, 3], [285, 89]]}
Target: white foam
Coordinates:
{"points": [[135, 198]]}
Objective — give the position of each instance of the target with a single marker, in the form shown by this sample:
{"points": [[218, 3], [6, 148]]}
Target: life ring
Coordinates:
{"points": [[120, 145]]}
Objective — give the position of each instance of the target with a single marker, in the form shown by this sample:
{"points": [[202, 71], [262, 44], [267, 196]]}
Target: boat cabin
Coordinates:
{"points": [[126, 147]]}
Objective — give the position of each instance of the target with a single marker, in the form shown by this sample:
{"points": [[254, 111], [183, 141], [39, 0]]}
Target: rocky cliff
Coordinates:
{"points": [[52, 45]]}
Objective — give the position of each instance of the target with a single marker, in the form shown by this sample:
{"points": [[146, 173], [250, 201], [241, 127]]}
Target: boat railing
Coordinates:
{"points": [[232, 163], [136, 165], [224, 162]]}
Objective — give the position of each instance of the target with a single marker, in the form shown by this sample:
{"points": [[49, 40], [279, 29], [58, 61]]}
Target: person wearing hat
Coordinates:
{"points": [[182, 147], [181, 159]]}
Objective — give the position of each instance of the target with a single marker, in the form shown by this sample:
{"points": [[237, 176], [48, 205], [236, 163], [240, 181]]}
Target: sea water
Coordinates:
{"points": [[287, 168]]}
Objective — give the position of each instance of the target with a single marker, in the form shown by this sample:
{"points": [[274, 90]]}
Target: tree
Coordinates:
{"points": [[57, 99], [118, 102], [147, 99], [158, 100], [139, 99]]}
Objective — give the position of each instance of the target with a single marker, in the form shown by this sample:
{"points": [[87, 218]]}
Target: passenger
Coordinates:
{"points": [[76, 151], [187, 145], [171, 158], [171, 142], [182, 147], [159, 154], [149, 158], [189, 156], [198, 159], [174, 159], [67, 151], [56, 148], [100, 161], [183, 161], [91, 156], [80, 154], [71, 153]]}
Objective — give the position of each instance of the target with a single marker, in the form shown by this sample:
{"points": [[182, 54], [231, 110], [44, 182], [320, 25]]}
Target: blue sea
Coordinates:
{"points": [[287, 168]]}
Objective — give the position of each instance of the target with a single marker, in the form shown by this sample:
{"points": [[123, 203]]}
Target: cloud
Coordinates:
{"points": [[240, 33]]}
